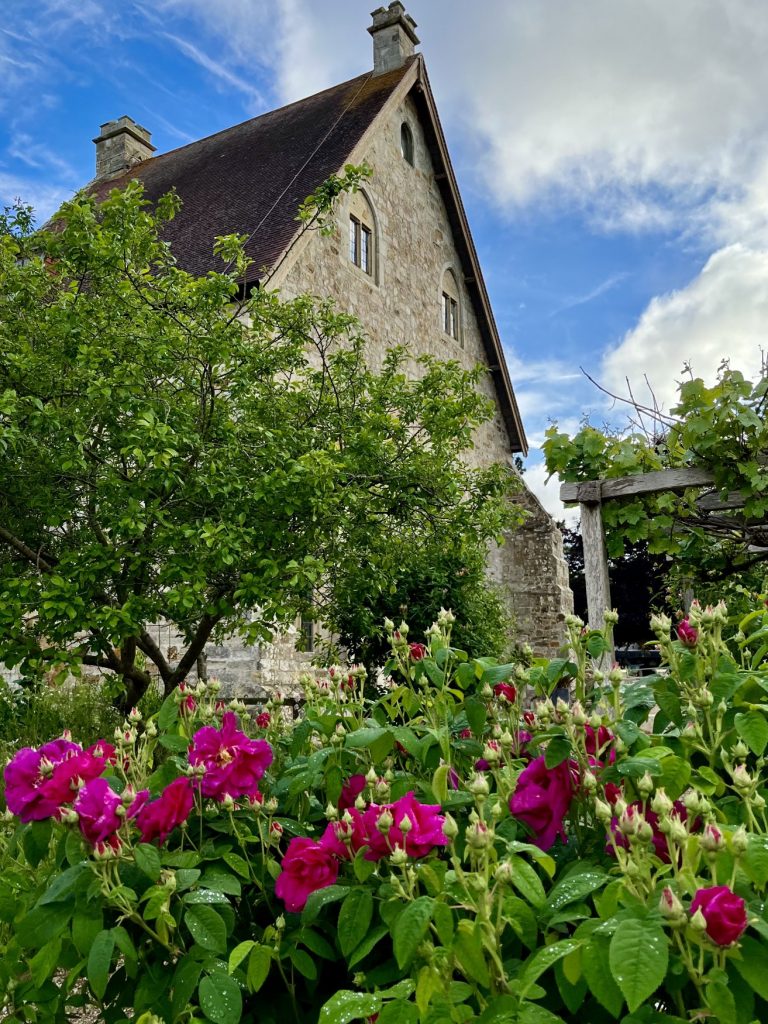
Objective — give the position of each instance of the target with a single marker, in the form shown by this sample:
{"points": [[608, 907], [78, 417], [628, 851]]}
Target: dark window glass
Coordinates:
{"points": [[406, 143]]}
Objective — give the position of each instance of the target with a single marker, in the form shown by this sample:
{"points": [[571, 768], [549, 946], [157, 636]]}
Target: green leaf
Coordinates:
{"points": [[468, 950], [753, 729], [43, 924], [755, 860], [527, 882], [721, 1002], [558, 749], [638, 958], [36, 840], [100, 961], [575, 887], [410, 928], [45, 961], [543, 959], [321, 898], [303, 963], [594, 962], [206, 927], [354, 919], [372, 939], [220, 998], [259, 963], [345, 1006], [429, 983], [752, 965], [239, 953], [185, 979], [148, 860], [476, 713], [63, 884]]}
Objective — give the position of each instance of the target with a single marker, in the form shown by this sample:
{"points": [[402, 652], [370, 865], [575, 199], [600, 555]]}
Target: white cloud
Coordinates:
{"points": [[721, 314], [548, 493]]}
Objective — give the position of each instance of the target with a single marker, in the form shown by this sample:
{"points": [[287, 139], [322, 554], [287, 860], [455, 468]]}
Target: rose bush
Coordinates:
{"points": [[606, 861]]}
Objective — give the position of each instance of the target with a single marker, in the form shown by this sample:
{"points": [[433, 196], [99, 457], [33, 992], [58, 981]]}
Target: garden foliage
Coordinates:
{"points": [[444, 852], [176, 450]]}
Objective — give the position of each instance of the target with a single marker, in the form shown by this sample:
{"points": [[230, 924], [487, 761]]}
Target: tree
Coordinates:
{"points": [[710, 534], [172, 449]]}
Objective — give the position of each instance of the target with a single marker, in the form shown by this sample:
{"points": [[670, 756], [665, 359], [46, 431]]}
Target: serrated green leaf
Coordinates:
{"points": [[354, 919], [206, 927], [410, 929], [752, 727], [344, 1007], [259, 963], [100, 961], [638, 957], [148, 860], [220, 998]]}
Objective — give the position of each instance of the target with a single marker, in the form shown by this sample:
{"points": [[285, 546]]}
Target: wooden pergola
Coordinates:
{"points": [[590, 496]]}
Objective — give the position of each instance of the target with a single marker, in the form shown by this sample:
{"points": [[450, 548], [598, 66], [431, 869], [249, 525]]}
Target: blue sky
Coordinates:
{"points": [[613, 158]]}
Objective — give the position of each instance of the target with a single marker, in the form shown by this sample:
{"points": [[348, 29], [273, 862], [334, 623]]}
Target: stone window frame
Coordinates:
{"points": [[407, 144], [363, 242], [451, 308]]}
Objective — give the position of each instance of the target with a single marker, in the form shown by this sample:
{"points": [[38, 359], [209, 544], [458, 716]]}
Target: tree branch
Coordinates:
{"points": [[45, 563]]}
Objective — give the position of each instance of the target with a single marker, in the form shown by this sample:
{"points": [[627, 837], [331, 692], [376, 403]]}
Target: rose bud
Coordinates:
{"points": [[723, 912]]}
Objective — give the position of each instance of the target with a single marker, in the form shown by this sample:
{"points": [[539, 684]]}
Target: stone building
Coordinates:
{"points": [[401, 259]]}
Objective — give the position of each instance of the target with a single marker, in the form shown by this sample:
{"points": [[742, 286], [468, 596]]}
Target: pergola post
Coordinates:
{"points": [[595, 559]]}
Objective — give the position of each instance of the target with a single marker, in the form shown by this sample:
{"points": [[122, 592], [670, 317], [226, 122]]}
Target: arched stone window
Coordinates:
{"points": [[450, 313], [362, 235], [406, 142]]}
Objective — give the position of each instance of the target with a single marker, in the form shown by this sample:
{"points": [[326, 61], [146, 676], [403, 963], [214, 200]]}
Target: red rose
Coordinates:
{"points": [[724, 912], [307, 866], [505, 690], [158, 819], [263, 720], [687, 634], [417, 651]]}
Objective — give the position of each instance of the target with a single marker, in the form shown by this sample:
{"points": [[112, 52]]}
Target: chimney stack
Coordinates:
{"points": [[394, 37], [121, 145]]}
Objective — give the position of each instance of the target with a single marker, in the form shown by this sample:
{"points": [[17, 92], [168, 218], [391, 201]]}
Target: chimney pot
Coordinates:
{"points": [[120, 145], [394, 37]]}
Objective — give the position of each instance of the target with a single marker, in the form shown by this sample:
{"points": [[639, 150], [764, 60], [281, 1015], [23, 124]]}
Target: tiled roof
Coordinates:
{"points": [[250, 179]]}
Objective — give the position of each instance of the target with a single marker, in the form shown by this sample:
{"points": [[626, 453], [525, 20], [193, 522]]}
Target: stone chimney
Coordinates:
{"points": [[394, 37], [121, 145]]}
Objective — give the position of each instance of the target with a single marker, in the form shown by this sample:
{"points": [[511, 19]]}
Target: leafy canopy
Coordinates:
{"points": [[173, 449]]}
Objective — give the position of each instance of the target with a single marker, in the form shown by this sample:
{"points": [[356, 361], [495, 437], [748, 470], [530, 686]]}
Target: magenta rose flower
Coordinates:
{"points": [[352, 789], [233, 762], [687, 634], [542, 799], [345, 837], [307, 866], [505, 690], [263, 719], [598, 742], [724, 912], [425, 833], [97, 809], [417, 652], [158, 819], [38, 782]]}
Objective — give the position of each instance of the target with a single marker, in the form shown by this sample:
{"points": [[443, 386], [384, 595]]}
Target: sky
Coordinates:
{"points": [[612, 156]]}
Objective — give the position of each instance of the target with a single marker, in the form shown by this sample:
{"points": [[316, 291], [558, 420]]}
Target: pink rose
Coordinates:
{"points": [[39, 781], [307, 866], [505, 690], [158, 819], [354, 786], [425, 833], [233, 762], [96, 807], [542, 799], [687, 634], [724, 912], [417, 652]]}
